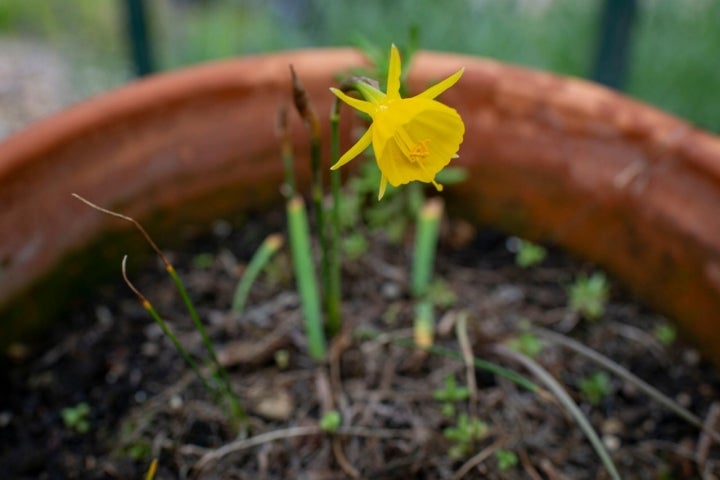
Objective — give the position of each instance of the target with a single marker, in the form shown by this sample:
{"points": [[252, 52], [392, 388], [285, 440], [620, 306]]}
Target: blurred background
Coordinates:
{"points": [[57, 52]]}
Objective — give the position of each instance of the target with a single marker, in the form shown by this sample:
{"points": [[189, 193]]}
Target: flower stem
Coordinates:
{"points": [[334, 281], [425, 246]]}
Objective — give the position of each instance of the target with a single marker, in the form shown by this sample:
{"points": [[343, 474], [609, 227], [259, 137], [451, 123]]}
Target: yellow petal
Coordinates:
{"points": [[394, 71], [362, 105], [355, 150], [440, 87], [383, 186]]}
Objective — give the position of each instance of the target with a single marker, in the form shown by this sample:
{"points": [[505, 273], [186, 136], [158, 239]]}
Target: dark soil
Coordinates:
{"points": [[145, 403]]}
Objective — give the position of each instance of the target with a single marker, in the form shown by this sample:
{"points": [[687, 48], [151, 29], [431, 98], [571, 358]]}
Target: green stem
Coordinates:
{"points": [[267, 249], [286, 153], [333, 296], [425, 245], [424, 324], [305, 276], [317, 197], [237, 409]]}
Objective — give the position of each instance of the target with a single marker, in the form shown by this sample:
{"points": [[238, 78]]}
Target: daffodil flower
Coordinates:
{"points": [[413, 138]]}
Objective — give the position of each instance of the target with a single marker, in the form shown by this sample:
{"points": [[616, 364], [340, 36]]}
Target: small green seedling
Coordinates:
{"points": [[588, 295], [595, 387], [440, 294], [529, 254], [451, 394], [506, 459], [354, 245], [77, 418], [331, 421], [665, 333], [203, 261], [465, 434], [526, 343]]}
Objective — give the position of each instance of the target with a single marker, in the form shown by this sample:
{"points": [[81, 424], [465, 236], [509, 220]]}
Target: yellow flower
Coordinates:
{"points": [[413, 138]]}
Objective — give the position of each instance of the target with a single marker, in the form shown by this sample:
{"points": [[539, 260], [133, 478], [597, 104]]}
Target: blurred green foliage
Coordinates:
{"points": [[672, 57]]}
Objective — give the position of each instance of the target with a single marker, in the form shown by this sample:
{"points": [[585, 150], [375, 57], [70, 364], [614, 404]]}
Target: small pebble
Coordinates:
{"points": [[150, 349], [611, 442], [612, 426], [390, 290], [176, 402], [683, 399], [222, 228], [691, 357], [5, 418]]}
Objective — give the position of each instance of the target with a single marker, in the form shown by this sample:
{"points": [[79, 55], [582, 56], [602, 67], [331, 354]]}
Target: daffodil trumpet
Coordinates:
{"points": [[413, 138]]}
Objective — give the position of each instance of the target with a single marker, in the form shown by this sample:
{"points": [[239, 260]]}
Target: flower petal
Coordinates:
{"points": [[440, 87], [355, 150], [362, 105], [383, 186], [394, 71]]}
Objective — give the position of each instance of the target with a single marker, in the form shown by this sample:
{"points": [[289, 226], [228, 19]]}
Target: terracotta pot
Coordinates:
{"points": [[550, 158]]}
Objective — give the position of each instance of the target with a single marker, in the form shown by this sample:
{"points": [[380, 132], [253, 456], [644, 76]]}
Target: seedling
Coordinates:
{"points": [[506, 459], [203, 261], [331, 421], [465, 434], [595, 387], [440, 294], [451, 394], [529, 254], [588, 295], [77, 418], [526, 343], [665, 333]]}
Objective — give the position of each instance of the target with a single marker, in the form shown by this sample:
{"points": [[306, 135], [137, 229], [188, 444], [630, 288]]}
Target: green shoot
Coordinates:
{"points": [[465, 434], [203, 261], [77, 418], [286, 153], [354, 245], [506, 459], [424, 324], [305, 276], [267, 249], [331, 421], [529, 254], [426, 239], [450, 394], [440, 294], [526, 343], [595, 387], [311, 120], [588, 295], [665, 333], [334, 293], [225, 389]]}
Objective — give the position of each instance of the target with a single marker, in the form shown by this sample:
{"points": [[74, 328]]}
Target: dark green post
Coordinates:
{"points": [[137, 28], [614, 42]]}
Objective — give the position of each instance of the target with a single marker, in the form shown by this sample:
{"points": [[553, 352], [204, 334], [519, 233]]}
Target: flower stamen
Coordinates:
{"points": [[419, 151]]}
